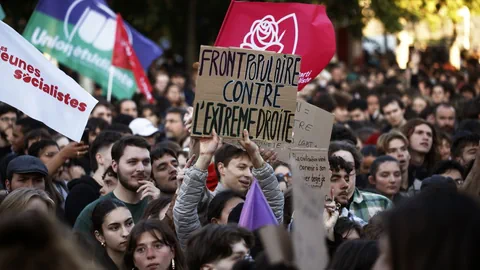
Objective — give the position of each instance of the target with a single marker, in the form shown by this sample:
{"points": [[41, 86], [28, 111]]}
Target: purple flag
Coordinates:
{"points": [[256, 212]]}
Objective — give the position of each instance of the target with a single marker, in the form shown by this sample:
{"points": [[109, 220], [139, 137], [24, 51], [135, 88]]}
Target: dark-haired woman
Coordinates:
{"points": [[222, 205], [153, 246], [112, 223], [386, 177]]}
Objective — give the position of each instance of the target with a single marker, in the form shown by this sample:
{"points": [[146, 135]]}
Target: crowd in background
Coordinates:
{"points": [[139, 193]]}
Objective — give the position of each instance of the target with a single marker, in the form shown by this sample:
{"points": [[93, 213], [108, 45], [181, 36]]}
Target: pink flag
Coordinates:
{"points": [[289, 28]]}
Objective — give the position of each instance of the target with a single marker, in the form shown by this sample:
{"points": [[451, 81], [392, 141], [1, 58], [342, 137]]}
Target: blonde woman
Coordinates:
{"points": [[32, 240], [24, 199]]}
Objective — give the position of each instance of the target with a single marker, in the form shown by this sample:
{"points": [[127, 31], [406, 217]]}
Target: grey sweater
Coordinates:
{"points": [[194, 192]]}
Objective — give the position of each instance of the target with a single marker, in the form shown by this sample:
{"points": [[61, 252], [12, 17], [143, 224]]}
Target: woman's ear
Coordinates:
{"points": [[207, 267], [214, 221], [371, 180], [99, 237]]}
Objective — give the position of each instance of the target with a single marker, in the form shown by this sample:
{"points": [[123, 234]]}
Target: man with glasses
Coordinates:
{"points": [[452, 169], [284, 175]]}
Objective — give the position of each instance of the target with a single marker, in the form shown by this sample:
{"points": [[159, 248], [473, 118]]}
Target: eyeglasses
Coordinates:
{"points": [[8, 119], [281, 175], [248, 257]]}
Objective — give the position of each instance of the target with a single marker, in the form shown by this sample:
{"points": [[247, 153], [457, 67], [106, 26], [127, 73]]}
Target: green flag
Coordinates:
{"points": [[81, 35], [2, 13]]}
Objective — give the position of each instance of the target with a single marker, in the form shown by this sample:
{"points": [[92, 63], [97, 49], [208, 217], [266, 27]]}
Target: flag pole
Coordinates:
{"points": [[110, 82]]}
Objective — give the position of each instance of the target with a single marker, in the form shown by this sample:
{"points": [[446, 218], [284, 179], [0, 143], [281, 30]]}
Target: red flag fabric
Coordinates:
{"points": [[124, 56], [290, 28]]}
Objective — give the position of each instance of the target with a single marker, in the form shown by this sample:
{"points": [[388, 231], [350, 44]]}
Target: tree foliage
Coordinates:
{"points": [[437, 11], [169, 18]]}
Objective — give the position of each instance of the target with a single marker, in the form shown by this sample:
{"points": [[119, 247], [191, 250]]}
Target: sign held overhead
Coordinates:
{"points": [[241, 89]]}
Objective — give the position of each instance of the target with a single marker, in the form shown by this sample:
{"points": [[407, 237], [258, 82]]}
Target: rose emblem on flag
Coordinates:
{"points": [[267, 34]]}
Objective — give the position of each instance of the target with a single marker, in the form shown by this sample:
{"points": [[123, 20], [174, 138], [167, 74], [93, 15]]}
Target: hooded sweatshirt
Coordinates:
{"points": [[83, 191]]}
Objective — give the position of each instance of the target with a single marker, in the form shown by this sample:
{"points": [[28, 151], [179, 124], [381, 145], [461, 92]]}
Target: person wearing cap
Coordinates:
{"points": [[26, 171], [144, 128]]}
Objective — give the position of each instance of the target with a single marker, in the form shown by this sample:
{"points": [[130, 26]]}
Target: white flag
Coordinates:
{"points": [[30, 83]]}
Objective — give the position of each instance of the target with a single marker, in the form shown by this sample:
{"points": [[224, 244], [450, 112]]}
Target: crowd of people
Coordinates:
{"points": [[139, 193]]}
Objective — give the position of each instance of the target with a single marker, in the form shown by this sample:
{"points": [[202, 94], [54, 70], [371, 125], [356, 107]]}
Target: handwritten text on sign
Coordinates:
{"points": [[243, 89], [308, 230], [312, 129], [313, 166], [313, 126]]}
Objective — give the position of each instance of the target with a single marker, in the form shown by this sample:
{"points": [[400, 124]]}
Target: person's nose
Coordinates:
{"points": [[150, 253], [140, 167], [29, 184], [172, 169], [344, 185], [391, 179], [248, 173], [125, 232]]}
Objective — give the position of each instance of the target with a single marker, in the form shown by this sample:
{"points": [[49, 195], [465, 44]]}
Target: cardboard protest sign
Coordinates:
{"points": [[312, 129], [308, 228], [313, 168], [241, 89], [313, 126], [35, 86], [277, 244]]}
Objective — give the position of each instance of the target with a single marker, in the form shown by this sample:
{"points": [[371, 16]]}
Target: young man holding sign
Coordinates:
{"points": [[239, 93], [236, 173]]}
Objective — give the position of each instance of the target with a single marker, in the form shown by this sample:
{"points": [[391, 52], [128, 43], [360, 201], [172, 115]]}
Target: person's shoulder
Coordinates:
{"points": [[370, 196], [84, 218], [89, 208]]}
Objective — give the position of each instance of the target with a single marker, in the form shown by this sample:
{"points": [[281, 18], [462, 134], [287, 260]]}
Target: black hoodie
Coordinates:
{"points": [[83, 191]]}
